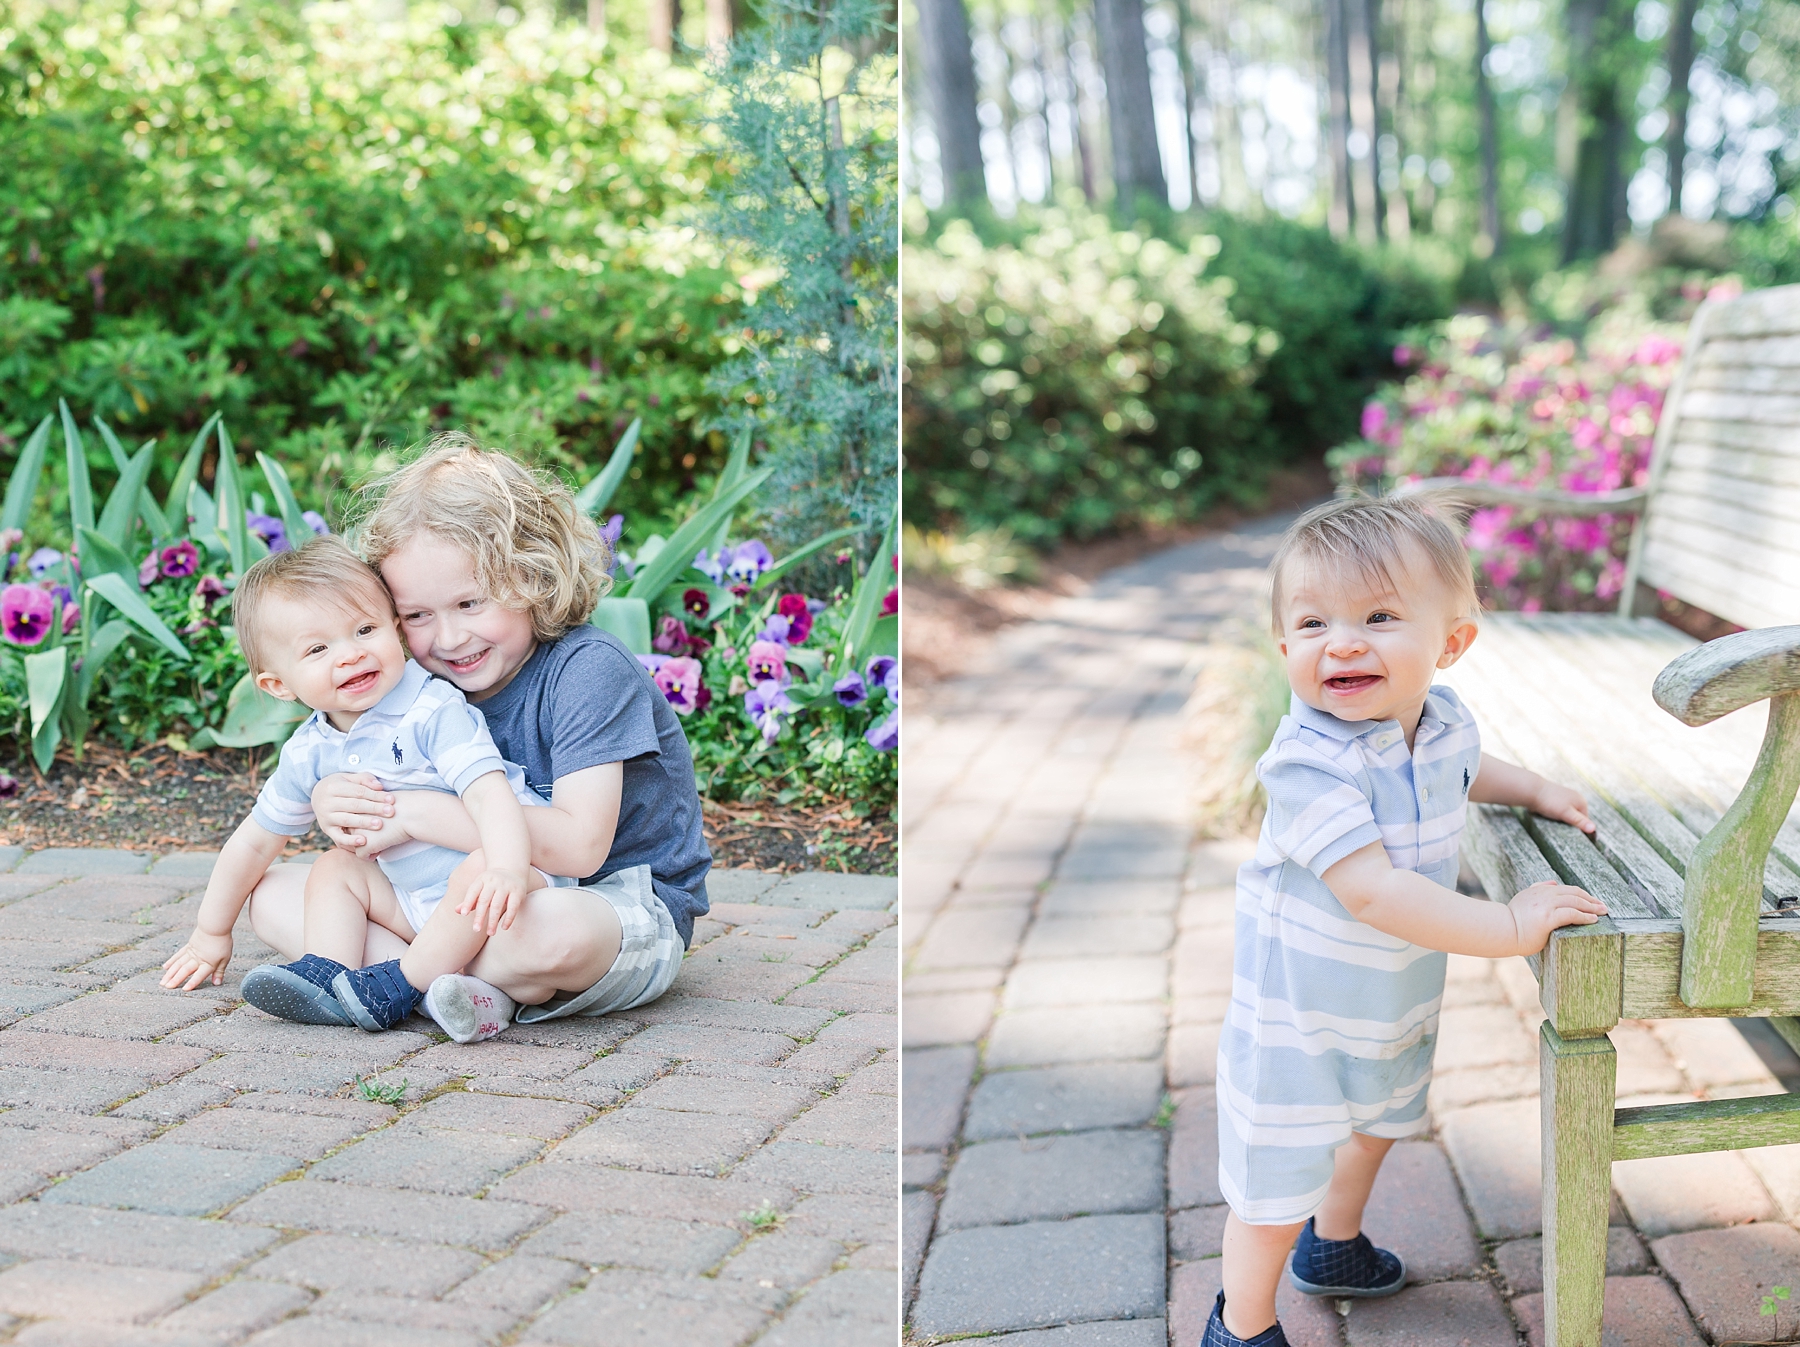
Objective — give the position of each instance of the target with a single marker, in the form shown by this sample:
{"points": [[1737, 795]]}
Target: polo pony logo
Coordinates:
{"points": [[1465, 773], [400, 761]]}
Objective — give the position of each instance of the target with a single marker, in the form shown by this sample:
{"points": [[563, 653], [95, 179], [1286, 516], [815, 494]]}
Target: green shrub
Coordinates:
{"points": [[1074, 383], [345, 234]]}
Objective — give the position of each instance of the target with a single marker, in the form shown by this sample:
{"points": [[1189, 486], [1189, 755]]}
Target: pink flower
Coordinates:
{"points": [[1374, 419], [680, 682], [767, 660], [794, 608], [1656, 349], [71, 617]]}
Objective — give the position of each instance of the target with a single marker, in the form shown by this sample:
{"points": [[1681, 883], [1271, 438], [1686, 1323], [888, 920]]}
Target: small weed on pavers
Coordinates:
{"points": [[765, 1217], [377, 1092], [1165, 1113]]}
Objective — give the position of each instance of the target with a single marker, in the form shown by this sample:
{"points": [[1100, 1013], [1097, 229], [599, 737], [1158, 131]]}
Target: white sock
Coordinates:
{"points": [[468, 1009]]}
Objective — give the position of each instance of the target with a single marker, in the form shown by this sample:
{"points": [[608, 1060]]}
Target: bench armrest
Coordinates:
{"points": [[1734, 671], [1476, 492]]}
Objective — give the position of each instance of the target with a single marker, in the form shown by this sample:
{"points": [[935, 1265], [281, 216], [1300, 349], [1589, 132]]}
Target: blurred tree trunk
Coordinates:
{"points": [[1681, 66], [949, 63], [1591, 135], [1184, 58], [1040, 67], [1084, 152], [596, 17], [1364, 189], [1131, 117], [665, 22], [720, 23], [1490, 132], [1342, 211], [1391, 90]]}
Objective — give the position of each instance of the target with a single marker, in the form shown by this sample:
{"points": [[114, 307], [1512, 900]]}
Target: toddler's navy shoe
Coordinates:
{"points": [[1344, 1267], [298, 991], [1217, 1335], [377, 997]]}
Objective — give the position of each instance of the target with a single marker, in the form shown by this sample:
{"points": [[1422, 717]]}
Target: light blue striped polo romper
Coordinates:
{"points": [[1333, 1024]]}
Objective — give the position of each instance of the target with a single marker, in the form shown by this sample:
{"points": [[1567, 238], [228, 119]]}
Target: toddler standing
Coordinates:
{"points": [[1346, 912]]}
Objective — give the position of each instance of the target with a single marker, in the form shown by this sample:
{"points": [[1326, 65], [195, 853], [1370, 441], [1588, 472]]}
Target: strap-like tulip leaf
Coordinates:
{"points": [[597, 494], [127, 501], [81, 489], [735, 468], [876, 581], [252, 718], [21, 487], [99, 556], [628, 619], [292, 517], [678, 554], [45, 673], [798, 555], [175, 506], [147, 508], [123, 594], [108, 639]]}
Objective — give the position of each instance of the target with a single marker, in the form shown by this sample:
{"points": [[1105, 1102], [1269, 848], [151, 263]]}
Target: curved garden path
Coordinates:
{"points": [[1067, 959]]}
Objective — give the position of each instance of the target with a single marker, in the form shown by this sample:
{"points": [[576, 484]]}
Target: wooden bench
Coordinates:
{"points": [[1701, 871]]}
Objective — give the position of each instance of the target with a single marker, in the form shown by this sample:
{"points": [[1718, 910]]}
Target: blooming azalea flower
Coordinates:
{"points": [[851, 690], [767, 659], [798, 612], [181, 560], [26, 613], [680, 682]]}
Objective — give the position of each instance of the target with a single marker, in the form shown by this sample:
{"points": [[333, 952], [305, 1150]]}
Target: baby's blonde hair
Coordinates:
{"points": [[1370, 537], [531, 547], [320, 571]]}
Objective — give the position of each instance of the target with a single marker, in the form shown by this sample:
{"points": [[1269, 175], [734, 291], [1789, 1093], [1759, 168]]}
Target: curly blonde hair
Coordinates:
{"points": [[531, 547]]}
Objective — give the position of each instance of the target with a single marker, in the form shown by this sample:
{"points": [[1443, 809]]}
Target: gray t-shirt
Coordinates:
{"points": [[584, 700]]}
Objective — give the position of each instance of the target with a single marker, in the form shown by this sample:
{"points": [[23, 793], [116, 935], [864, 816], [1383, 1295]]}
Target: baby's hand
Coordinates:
{"points": [[494, 898], [1563, 805], [1544, 907], [202, 957]]}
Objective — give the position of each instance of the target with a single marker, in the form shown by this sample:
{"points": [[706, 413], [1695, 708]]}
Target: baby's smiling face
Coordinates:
{"points": [[1360, 649]]}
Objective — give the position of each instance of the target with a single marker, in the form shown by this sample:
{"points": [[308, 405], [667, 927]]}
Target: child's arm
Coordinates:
{"points": [[1406, 904], [495, 895], [242, 862], [573, 835], [1500, 782]]}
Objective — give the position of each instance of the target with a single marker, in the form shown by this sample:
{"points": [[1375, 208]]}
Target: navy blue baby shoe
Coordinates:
{"points": [[377, 997], [298, 991], [1217, 1335], [1344, 1267]]}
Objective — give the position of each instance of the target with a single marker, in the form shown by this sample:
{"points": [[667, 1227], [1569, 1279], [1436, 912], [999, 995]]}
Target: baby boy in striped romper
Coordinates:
{"points": [[1347, 910]]}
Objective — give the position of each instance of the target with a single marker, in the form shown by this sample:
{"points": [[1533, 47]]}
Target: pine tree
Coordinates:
{"points": [[808, 115]]}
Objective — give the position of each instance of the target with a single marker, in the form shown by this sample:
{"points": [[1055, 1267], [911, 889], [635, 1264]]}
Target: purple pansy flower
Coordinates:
{"points": [[697, 604], [850, 689], [711, 564], [210, 589], [181, 560], [798, 612], [775, 631], [653, 662], [672, 638], [747, 561], [767, 702], [767, 660], [270, 529], [25, 614], [149, 570], [41, 561], [680, 682], [878, 671], [884, 737], [316, 522], [613, 529]]}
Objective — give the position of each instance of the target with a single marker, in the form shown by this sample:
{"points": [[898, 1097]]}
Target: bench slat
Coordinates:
{"points": [[1652, 972], [1710, 1125], [1724, 376], [1784, 350], [1706, 475], [1778, 442], [1763, 409], [1766, 521], [1761, 313]]}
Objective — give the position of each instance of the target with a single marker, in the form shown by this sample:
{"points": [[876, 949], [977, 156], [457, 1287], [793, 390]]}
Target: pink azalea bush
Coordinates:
{"points": [[1490, 402]]}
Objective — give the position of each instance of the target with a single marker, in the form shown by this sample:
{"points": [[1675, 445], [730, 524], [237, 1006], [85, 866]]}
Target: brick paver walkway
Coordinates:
{"points": [[1068, 960], [712, 1169]]}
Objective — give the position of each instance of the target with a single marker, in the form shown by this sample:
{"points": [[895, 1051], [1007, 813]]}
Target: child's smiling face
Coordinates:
{"points": [[452, 626], [1359, 649], [337, 659]]}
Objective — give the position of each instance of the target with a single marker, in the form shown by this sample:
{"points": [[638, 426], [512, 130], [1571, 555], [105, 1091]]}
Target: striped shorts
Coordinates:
{"points": [[650, 953]]}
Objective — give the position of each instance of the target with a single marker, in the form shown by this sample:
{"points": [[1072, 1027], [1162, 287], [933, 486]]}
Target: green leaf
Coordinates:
{"points": [[735, 468], [884, 639], [21, 487], [719, 601], [45, 673], [252, 718], [203, 513], [240, 546], [867, 601], [187, 475], [678, 554], [106, 640], [81, 490], [597, 494], [809, 660], [787, 563], [147, 508], [100, 557], [122, 594], [626, 618], [298, 530], [127, 500]]}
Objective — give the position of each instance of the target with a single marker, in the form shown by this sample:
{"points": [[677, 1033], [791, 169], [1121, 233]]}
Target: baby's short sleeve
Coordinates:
{"points": [[1318, 814], [456, 742], [284, 804]]}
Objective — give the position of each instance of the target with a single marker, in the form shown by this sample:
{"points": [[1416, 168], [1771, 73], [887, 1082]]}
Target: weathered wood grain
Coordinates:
{"points": [[1717, 678], [1710, 1125], [1581, 984], [1577, 1076], [1650, 981], [1761, 313]]}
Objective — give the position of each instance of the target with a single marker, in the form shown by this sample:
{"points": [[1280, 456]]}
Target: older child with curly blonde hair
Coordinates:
{"points": [[494, 572]]}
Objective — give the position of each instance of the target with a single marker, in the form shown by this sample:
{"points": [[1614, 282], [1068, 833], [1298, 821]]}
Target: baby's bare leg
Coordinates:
{"points": [[450, 940], [278, 915], [1355, 1166], [343, 896], [1255, 1257]]}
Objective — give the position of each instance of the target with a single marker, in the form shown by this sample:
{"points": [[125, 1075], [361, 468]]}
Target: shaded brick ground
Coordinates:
{"points": [[712, 1169], [1067, 965]]}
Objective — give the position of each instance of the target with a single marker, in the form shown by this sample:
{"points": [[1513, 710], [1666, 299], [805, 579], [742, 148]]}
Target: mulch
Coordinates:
{"points": [[167, 799]]}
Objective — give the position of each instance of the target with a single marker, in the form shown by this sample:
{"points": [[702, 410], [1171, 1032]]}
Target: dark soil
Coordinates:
{"points": [[164, 799]]}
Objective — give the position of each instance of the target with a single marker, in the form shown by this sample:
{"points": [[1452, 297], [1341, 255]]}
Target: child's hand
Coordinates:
{"points": [[495, 898], [350, 809], [1545, 907], [1563, 805], [202, 957]]}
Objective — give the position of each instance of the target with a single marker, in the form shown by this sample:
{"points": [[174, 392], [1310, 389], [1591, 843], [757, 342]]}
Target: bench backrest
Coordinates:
{"points": [[1721, 529]]}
